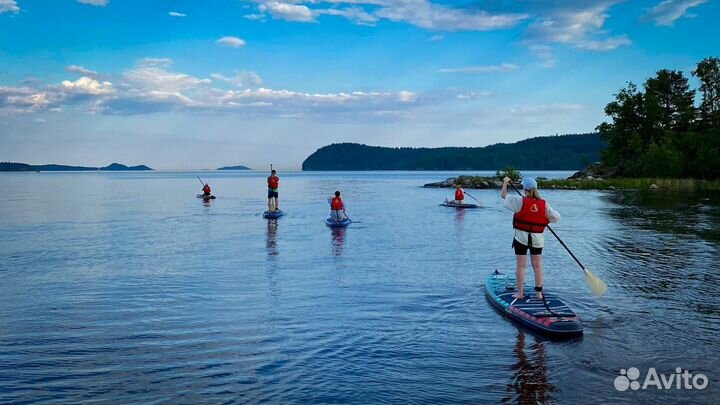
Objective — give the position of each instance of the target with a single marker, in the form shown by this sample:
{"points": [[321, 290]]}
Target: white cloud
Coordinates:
{"points": [[421, 13], [101, 3], [356, 15], [578, 23], [545, 55], [80, 70], [233, 42], [425, 14], [607, 44], [151, 86], [254, 16], [9, 6], [87, 85], [176, 14], [287, 11], [665, 13], [501, 68], [241, 79]]}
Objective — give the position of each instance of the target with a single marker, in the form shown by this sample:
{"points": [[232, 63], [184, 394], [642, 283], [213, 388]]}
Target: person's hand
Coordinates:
{"points": [[506, 180]]}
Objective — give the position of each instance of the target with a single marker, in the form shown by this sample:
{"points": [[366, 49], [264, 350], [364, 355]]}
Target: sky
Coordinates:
{"points": [[189, 84]]}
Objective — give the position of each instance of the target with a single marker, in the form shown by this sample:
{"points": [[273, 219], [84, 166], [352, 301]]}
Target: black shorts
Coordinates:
{"points": [[522, 250], [272, 194]]}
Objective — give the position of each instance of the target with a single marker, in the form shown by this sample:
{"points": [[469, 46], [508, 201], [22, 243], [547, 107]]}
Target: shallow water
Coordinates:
{"points": [[125, 288]]}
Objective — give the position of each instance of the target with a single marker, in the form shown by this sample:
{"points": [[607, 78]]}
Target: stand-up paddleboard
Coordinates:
{"points": [[273, 214], [452, 204], [551, 316], [205, 197], [337, 224]]}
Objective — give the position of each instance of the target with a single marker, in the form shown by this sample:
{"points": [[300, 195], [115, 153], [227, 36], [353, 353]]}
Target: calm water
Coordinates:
{"points": [[120, 288]]}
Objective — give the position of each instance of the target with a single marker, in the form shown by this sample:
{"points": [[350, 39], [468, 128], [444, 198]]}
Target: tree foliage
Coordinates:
{"points": [[659, 132]]}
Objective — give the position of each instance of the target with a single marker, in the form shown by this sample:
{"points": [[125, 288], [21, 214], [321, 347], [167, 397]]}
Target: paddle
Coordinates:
{"points": [[597, 286], [470, 195], [201, 182]]}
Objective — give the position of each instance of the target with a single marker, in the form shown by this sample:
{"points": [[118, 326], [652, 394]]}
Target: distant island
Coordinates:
{"points": [[239, 167], [24, 167], [560, 152]]}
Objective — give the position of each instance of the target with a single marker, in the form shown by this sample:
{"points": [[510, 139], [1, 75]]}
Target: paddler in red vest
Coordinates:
{"points": [[273, 182], [336, 207], [532, 215], [206, 190], [459, 195]]}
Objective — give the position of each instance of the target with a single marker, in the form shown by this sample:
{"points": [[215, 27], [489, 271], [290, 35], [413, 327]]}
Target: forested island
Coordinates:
{"points": [[238, 167], [24, 167], [560, 152]]}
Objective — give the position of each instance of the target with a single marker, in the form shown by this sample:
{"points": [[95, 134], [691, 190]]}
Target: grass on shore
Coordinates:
{"points": [[632, 183]]}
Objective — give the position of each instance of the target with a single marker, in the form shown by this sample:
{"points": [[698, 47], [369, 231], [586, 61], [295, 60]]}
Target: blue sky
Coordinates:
{"points": [[187, 84]]}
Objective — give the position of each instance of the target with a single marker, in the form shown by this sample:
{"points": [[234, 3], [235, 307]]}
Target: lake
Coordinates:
{"points": [[120, 288]]}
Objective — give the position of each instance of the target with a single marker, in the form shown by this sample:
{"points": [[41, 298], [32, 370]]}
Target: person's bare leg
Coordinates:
{"points": [[537, 265], [270, 205], [277, 204], [521, 265]]}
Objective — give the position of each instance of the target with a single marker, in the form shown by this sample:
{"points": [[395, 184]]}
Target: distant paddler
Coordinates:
{"points": [[459, 195], [337, 206], [532, 215], [206, 190], [273, 182]]}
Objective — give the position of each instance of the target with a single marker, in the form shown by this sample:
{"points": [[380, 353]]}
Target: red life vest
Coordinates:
{"points": [[532, 217], [459, 195], [336, 204], [273, 181], [206, 189]]}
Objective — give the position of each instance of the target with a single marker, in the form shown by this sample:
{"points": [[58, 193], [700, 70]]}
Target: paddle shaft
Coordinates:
{"points": [[470, 195], [201, 182], [556, 235]]}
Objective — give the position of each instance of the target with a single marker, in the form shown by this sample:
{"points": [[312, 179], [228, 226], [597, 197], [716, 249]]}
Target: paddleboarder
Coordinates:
{"points": [[336, 207], [532, 215], [206, 190], [459, 194], [273, 182]]}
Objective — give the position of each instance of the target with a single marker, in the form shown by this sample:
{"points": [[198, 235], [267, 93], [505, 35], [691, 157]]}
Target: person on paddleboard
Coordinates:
{"points": [[337, 207], [273, 182], [532, 215], [206, 190], [459, 195]]}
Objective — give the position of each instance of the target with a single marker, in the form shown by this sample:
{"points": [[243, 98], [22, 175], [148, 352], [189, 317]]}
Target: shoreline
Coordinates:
{"points": [[587, 183]]}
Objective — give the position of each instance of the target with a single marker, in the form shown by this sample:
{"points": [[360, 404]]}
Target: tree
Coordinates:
{"points": [[708, 72]]}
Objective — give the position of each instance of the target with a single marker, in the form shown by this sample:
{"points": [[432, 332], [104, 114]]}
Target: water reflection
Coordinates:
{"points": [[337, 242], [271, 241], [530, 383], [460, 216]]}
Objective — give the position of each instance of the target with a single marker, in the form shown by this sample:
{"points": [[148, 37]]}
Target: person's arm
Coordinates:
{"points": [[553, 216], [513, 203], [503, 192]]}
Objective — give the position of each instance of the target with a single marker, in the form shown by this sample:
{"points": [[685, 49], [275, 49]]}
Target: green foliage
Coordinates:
{"points": [[658, 131], [514, 175], [565, 152]]}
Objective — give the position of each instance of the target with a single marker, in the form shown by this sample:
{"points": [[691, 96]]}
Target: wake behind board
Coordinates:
{"points": [[551, 317], [337, 224], [205, 197], [273, 214], [450, 204]]}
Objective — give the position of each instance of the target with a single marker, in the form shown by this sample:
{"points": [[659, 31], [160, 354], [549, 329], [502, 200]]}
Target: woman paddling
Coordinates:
{"points": [[532, 215], [206, 190]]}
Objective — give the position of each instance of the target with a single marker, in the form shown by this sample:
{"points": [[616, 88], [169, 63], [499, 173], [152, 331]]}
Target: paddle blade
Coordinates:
{"points": [[597, 286]]}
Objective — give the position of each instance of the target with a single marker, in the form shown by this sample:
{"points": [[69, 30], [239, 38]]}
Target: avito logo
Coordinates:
{"points": [[680, 380]]}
